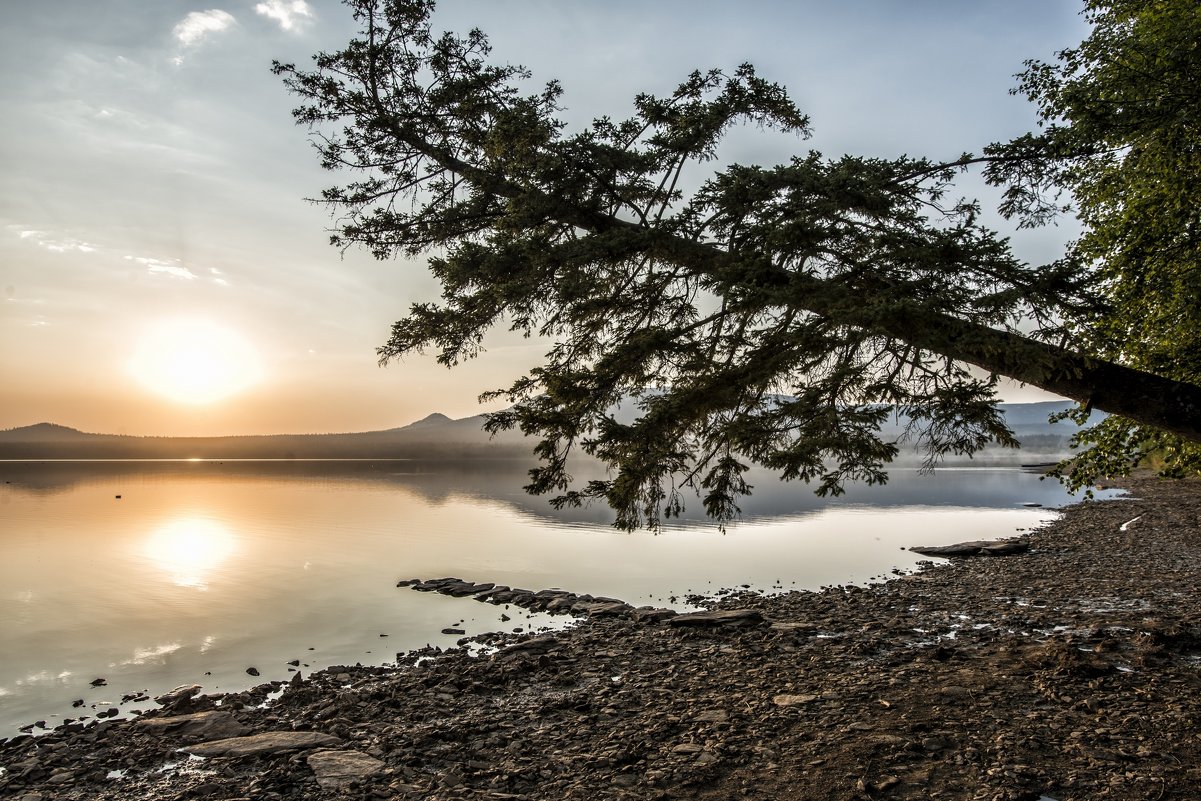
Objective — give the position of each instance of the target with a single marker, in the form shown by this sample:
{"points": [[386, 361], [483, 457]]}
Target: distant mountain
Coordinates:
{"points": [[434, 437], [43, 432]]}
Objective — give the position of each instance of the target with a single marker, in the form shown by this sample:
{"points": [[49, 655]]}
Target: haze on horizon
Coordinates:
{"points": [[161, 273]]}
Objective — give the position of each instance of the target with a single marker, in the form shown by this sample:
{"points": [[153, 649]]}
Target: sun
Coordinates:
{"points": [[194, 361]]}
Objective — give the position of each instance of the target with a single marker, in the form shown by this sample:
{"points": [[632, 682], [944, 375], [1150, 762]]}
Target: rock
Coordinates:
{"points": [[792, 627], [721, 617], [601, 608], [265, 743], [252, 671], [1005, 548], [180, 696], [196, 727], [794, 700], [451, 630], [977, 548], [462, 589], [712, 716], [687, 748], [335, 769], [652, 615], [536, 645], [433, 585], [98, 682]]}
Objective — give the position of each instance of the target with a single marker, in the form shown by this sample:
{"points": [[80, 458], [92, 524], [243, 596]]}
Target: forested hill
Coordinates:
{"points": [[434, 437]]}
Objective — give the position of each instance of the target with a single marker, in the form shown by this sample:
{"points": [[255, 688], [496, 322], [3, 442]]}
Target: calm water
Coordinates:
{"points": [[200, 570]]}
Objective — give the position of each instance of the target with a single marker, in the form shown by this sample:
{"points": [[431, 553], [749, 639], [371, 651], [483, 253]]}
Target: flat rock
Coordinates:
{"points": [[179, 696], [335, 769], [721, 617], [785, 699], [534, 645], [601, 608], [976, 548], [652, 615], [268, 742], [196, 727]]}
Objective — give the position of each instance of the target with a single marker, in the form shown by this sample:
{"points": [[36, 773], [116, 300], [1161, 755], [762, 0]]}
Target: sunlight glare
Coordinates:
{"points": [[194, 361], [189, 549]]}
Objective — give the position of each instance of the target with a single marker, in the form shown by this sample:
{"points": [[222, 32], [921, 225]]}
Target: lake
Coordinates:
{"points": [[154, 574]]}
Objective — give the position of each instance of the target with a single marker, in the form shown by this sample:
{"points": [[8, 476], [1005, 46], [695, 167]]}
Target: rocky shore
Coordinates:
{"points": [[1069, 668]]}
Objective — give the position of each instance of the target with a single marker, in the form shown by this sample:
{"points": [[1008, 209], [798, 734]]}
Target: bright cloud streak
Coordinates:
{"points": [[56, 245], [199, 24], [289, 14], [172, 268]]}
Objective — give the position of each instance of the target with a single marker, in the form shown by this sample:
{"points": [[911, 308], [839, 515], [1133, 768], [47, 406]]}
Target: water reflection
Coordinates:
{"points": [[190, 549], [156, 654]]}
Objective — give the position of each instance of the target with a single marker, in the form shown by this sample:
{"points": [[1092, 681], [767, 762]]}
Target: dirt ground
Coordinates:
{"points": [[1071, 671]]}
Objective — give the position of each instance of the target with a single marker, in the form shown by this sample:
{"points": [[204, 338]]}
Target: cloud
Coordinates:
{"points": [[199, 24], [290, 14], [171, 267], [45, 240]]}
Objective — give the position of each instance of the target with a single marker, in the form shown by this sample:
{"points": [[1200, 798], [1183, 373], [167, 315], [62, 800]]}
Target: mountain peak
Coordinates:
{"points": [[429, 421], [42, 431]]}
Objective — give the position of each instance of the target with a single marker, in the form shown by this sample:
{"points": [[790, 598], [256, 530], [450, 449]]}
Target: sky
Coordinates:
{"points": [[161, 272]]}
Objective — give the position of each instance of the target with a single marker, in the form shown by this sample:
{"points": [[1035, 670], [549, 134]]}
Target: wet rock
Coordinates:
{"points": [[490, 594], [977, 548], [179, 697]]}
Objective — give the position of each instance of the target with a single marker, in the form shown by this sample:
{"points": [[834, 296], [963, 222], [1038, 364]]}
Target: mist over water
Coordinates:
{"points": [[154, 574]]}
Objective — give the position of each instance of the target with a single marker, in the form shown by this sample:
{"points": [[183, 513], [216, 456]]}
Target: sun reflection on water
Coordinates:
{"points": [[189, 549]]}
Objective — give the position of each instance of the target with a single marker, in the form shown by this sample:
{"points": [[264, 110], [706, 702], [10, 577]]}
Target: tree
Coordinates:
{"points": [[774, 315], [1121, 119]]}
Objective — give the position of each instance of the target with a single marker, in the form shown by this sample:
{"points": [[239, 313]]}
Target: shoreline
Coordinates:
{"points": [[1071, 671]]}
